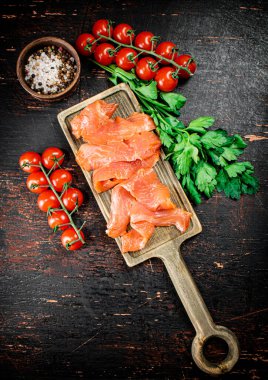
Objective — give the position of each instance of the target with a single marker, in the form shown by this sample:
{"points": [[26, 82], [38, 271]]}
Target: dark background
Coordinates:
{"points": [[86, 314]]}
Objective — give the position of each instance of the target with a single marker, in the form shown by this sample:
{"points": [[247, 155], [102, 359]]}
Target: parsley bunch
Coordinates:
{"points": [[203, 160]]}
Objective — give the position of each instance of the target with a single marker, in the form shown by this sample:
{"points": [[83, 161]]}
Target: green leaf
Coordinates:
{"points": [[205, 178], [190, 188], [216, 139], [174, 100], [233, 188], [239, 142], [183, 158], [165, 138], [222, 179], [199, 125], [126, 74], [237, 168], [195, 140], [174, 122], [150, 90]]}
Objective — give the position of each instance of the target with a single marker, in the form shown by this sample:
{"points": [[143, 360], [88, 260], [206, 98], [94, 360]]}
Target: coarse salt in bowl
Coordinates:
{"points": [[49, 68]]}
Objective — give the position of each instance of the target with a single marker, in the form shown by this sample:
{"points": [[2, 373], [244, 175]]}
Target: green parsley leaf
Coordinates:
{"points": [[190, 188], [165, 138], [174, 100], [237, 168], [201, 124], [216, 139], [149, 90], [205, 178]]}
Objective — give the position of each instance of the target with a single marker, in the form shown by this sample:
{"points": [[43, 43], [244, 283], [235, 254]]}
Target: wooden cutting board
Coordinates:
{"points": [[166, 241]]}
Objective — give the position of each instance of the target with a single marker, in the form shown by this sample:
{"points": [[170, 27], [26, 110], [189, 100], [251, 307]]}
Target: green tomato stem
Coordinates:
{"points": [[62, 204], [160, 57]]}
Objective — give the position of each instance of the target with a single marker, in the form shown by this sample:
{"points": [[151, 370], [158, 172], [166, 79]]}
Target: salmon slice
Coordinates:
{"points": [[91, 118], [136, 239], [110, 175], [121, 204], [139, 147], [147, 189], [120, 129], [178, 217]]}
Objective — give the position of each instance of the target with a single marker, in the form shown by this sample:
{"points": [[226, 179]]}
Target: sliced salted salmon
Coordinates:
{"points": [[177, 217], [139, 147], [121, 204], [146, 187], [120, 129], [91, 118], [110, 175], [136, 239]]}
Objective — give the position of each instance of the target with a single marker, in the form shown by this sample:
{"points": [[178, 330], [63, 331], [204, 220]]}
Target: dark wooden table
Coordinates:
{"points": [[86, 314]]}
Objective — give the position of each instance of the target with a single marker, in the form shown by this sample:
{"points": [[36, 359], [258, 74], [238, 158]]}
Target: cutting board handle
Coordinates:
{"points": [[199, 316]]}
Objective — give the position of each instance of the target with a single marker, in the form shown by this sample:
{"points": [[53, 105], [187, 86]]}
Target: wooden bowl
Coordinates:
{"points": [[33, 47]]}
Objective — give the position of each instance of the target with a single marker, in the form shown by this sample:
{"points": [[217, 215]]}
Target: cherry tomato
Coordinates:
{"points": [[85, 44], [126, 58], [168, 50], [104, 54], [70, 235], [37, 182], [72, 197], [166, 80], [186, 60], [124, 33], [103, 27], [146, 41], [27, 159], [59, 178], [57, 218], [146, 68], [52, 155], [47, 199]]}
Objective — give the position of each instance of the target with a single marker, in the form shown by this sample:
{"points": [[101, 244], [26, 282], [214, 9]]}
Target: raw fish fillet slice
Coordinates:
{"points": [[121, 204], [145, 143], [91, 157], [92, 117], [147, 189], [139, 147], [178, 217], [136, 239], [120, 129], [108, 176]]}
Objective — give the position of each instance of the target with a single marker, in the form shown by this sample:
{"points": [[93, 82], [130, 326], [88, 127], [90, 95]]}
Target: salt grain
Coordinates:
{"points": [[50, 70]]}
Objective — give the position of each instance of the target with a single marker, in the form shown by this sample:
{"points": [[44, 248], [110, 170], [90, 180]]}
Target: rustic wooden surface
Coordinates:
{"points": [[87, 315]]}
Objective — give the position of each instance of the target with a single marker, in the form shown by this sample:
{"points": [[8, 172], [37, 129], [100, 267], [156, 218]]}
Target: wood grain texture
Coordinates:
{"points": [[87, 315]]}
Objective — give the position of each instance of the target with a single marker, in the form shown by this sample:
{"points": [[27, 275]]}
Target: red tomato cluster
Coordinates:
{"points": [[161, 68], [58, 179]]}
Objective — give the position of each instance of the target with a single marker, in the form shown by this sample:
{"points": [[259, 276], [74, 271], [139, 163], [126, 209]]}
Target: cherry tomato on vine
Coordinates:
{"points": [[186, 60], [72, 197], [166, 79], [59, 178], [146, 68], [70, 235], [85, 44], [126, 58], [46, 200], [103, 27], [124, 33], [57, 218], [52, 155], [146, 41], [37, 182], [104, 54], [168, 50], [27, 159]]}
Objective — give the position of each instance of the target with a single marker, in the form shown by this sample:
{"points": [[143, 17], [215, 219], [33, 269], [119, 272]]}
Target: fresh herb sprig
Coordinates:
{"points": [[203, 160]]}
